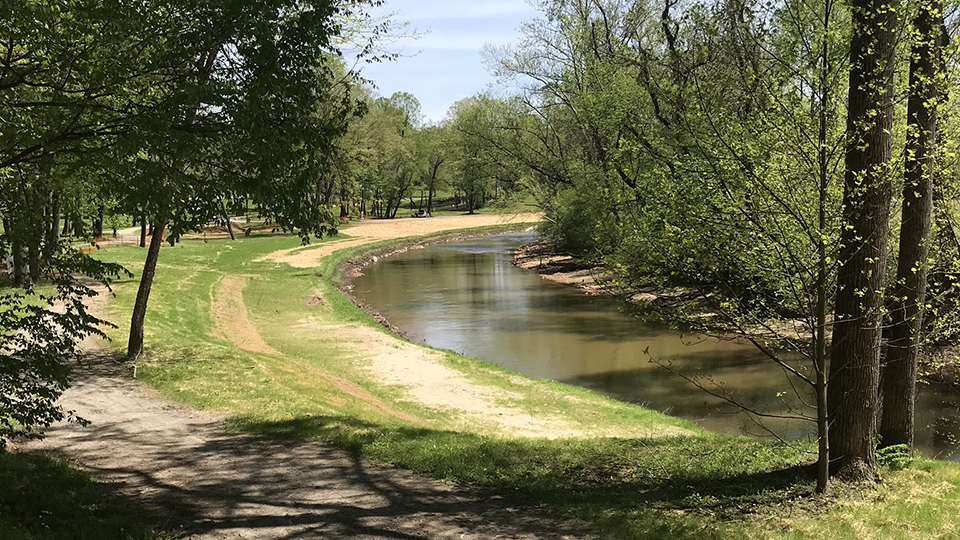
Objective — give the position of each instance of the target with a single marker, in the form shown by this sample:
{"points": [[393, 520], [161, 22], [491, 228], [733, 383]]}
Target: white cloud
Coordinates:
{"points": [[445, 64]]}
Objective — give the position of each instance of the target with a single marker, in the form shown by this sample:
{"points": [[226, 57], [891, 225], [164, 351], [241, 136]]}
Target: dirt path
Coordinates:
{"points": [[178, 468], [370, 231], [230, 317]]}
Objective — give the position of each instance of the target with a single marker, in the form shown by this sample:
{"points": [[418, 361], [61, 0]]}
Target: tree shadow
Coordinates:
{"points": [[273, 479], [197, 479], [684, 487]]}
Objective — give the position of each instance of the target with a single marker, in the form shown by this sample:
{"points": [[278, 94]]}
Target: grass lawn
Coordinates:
{"points": [[672, 480]]}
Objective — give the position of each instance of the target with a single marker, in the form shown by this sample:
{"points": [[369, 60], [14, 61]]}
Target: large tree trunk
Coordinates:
{"points": [[855, 354], [328, 185], [900, 369], [135, 343]]}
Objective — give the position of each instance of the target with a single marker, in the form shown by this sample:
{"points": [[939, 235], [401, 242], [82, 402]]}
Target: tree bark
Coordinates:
{"points": [[98, 222], [54, 232], [855, 354], [135, 343], [51, 234], [226, 219], [143, 230], [900, 369], [33, 256], [17, 247], [820, 333], [328, 185]]}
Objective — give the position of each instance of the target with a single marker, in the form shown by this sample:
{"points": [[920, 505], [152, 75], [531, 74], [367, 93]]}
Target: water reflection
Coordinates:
{"points": [[468, 297]]}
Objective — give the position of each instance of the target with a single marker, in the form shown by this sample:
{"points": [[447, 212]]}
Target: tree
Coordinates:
{"points": [[432, 153], [483, 165], [855, 351], [909, 291], [242, 100]]}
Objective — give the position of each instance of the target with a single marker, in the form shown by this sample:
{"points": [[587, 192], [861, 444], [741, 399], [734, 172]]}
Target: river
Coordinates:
{"points": [[468, 297]]}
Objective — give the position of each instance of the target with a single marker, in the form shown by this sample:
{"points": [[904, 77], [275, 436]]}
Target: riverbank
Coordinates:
{"points": [[253, 337], [939, 365]]}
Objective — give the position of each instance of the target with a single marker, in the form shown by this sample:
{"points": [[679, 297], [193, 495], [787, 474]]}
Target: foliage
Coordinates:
{"points": [[482, 141], [41, 330], [895, 457]]}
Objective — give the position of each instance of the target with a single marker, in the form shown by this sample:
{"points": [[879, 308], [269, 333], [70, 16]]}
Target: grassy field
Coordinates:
{"points": [[663, 479]]}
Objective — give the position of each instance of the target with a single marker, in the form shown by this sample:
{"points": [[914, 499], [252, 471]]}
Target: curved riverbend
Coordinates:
{"points": [[468, 297]]}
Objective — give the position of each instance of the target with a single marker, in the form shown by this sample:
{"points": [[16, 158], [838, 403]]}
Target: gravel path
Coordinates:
{"points": [[181, 470]]}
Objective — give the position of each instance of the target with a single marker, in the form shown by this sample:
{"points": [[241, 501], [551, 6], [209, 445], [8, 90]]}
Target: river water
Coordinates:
{"points": [[468, 297]]}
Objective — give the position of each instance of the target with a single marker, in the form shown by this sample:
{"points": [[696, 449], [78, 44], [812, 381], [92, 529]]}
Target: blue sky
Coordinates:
{"points": [[445, 63]]}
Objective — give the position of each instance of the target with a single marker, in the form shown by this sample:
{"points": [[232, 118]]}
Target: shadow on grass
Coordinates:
{"points": [[43, 497], [683, 487]]}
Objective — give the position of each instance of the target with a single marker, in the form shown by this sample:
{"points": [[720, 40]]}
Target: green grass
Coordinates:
{"points": [[700, 485], [45, 498]]}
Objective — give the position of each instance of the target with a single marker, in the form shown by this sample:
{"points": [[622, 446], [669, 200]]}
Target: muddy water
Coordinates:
{"points": [[469, 298]]}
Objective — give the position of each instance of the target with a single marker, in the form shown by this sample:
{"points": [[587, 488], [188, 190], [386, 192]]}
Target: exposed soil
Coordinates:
{"points": [[374, 230], [230, 317], [552, 264], [180, 469], [545, 259]]}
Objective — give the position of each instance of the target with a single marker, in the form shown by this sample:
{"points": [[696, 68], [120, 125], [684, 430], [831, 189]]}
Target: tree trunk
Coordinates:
{"points": [[820, 333], [855, 354], [51, 223], [135, 343], [53, 234], [98, 222], [226, 219], [66, 226], [900, 370], [143, 230], [17, 247], [33, 255]]}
